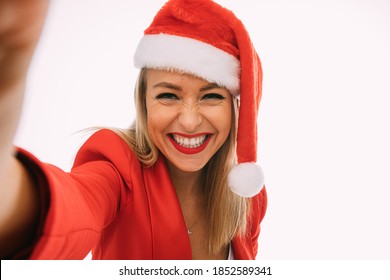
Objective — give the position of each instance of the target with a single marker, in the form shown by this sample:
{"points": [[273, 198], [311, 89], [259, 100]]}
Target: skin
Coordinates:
{"points": [[186, 105], [182, 104], [21, 22]]}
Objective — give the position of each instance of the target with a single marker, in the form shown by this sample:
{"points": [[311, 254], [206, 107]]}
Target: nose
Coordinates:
{"points": [[189, 118]]}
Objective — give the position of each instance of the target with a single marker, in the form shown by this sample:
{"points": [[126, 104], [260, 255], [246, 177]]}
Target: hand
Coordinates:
{"points": [[21, 22]]}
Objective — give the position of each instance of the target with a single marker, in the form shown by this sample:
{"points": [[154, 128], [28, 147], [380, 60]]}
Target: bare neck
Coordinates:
{"points": [[187, 184]]}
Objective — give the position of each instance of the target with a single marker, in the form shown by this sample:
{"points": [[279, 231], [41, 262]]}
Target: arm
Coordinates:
{"points": [[76, 207], [18, 211], [21, 22]]}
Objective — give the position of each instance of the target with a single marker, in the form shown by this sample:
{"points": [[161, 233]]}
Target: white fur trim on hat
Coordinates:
{"points": [[246, 179], [203, 60]]}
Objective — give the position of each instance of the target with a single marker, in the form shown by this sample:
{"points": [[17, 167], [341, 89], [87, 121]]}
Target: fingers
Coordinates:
{"points": [[21, 22]]}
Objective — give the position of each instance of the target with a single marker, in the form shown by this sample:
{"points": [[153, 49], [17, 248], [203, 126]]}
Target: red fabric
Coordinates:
{"points": [[111, 204], [204, 21]]}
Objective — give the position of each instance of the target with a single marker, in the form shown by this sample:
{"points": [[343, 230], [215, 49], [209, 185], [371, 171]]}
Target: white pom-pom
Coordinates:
{"points": [[246, 179]]}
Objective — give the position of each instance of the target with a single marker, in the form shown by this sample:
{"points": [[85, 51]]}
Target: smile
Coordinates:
{"points": [[189, 142], [189, 145]]}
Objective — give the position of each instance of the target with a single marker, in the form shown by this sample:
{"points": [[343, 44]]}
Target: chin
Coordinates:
{"points": [[189, 167]]}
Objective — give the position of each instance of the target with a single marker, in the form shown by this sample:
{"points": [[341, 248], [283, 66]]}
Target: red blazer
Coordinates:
{"points": [[113, 205]]}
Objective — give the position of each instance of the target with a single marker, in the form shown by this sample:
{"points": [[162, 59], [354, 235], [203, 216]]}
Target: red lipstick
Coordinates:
{"points": [[190, 151]]}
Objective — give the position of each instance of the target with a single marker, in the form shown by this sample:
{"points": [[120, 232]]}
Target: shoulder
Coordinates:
{"points": [[103, 136], [105, 144]]}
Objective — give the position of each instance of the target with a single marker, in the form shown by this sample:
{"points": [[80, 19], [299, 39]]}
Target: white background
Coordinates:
{"points": [[323, 124]]}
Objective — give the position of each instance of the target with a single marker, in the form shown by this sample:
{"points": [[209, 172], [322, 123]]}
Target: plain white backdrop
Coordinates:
{"points": [[324, 120]]}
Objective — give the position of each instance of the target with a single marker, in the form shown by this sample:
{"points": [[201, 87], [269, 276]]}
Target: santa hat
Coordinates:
{"points": [[206, 40]]}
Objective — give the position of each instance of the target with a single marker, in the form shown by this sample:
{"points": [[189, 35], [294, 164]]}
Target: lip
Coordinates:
{"points": [[191, 135], [190, 151]]}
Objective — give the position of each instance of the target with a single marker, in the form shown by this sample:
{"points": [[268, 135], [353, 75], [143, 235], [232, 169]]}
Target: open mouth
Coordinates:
{"points": [[190, 145]]}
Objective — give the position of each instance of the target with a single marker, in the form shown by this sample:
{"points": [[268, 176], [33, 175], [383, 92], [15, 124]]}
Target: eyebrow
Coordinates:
{"points": [[167, 85], [210, 86], [176, 87]]}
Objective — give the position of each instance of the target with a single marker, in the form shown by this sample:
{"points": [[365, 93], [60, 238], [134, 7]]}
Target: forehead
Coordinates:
{"points": [[154, 76]]}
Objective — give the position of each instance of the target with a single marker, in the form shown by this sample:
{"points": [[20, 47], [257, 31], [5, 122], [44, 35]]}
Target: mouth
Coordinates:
{"points": [[189, 144]]}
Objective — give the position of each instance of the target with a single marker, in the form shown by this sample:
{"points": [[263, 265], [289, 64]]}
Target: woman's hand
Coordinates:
{"points": [[21, 22]]}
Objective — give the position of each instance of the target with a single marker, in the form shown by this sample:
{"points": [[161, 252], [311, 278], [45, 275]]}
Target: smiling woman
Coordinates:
{"points": [[188, 120], [166, 187], [191, 111]]}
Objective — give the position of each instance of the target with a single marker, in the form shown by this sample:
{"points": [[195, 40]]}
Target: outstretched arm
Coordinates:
{"points": [[21, 22]]}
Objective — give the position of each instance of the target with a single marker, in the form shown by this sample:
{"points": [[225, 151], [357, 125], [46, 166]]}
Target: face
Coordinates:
{"points": [[188, 118]]}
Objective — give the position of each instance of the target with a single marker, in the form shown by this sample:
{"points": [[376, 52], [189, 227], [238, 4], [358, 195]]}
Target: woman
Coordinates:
{"points": [[167, 188]]}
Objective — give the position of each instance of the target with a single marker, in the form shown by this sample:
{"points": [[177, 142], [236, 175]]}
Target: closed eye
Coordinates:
{"points": [[213, 96], [166, 96]]}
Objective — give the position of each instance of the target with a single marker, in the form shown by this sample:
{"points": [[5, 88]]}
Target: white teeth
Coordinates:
{"points": [[189, 142]]}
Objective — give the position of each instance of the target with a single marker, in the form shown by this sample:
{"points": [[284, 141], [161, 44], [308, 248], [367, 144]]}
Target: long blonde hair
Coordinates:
{"points": [[226, 212]]}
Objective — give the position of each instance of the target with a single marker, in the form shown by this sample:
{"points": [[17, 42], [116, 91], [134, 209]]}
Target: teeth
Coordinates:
{"points": [[189, 142]]}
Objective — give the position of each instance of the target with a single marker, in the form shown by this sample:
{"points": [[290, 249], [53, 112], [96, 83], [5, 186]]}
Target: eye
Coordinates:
{"points": [[213, 96], [166, 96]]}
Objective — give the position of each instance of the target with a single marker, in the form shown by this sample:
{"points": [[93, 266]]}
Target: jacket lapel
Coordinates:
{"points": [[169, 233]]}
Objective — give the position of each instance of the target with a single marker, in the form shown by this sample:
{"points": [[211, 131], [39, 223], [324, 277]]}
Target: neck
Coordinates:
{"points": [[187, 184]]}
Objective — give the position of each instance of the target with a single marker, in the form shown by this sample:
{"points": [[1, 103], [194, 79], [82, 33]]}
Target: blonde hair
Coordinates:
{"points": [[226, 212]]}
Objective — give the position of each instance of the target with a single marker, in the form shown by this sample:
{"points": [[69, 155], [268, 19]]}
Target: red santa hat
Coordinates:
{"points": [[204, 39]]}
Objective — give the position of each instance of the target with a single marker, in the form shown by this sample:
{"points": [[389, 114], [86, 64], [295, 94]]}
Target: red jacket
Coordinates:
{"points": [[113, 205]]}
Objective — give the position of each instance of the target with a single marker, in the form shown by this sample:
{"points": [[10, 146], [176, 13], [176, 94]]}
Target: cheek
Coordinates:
{"points": [[221, 118], [158, 119]]}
